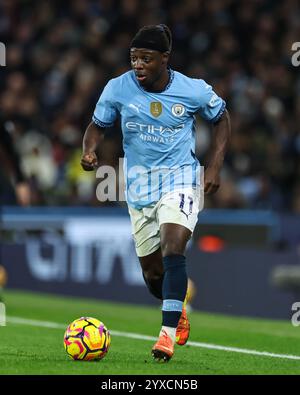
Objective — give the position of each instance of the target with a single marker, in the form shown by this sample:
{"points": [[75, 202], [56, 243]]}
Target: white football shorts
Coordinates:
{"points": [[177, 207]]}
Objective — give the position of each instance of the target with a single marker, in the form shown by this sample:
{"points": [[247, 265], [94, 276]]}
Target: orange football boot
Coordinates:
{"points": [[183, 329], [163, 349]]}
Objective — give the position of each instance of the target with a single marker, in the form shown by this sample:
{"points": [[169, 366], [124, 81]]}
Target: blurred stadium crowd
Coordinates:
{"points": [[60, 54]]}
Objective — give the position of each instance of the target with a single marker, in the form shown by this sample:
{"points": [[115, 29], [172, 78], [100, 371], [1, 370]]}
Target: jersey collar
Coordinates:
{"points": [[171, 78]]}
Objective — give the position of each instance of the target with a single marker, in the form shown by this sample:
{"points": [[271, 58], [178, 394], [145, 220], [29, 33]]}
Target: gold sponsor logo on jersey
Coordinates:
{"points": [[156, 108]]}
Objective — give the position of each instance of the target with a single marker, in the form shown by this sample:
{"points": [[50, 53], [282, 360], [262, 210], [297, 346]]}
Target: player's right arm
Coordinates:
{"points": [[91, 140]]}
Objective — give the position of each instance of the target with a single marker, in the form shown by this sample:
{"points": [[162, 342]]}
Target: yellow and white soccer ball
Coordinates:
{"points": [[87, 339]]}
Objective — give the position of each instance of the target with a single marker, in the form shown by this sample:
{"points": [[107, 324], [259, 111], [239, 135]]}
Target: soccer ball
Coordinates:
{"points": [[86, 339]]}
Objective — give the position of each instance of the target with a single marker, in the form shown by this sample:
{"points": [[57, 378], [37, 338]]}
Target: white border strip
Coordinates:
{"points": [[55, 325]]}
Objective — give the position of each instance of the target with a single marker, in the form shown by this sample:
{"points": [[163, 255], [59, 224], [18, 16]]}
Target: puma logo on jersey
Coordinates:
{"points": [[136, 108]]}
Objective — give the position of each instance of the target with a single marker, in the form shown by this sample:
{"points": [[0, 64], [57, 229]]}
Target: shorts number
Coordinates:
{"points": [[182, 202]]}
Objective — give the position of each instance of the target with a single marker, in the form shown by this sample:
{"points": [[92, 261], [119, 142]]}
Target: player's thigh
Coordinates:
{"points": [[145, 232]]}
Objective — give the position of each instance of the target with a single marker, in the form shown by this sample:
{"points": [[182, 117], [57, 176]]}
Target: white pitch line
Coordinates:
{"points": [[55, 325]]}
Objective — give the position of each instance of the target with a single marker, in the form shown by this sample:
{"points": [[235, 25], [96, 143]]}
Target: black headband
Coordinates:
{"points": [[151, 39], [138, 43]]}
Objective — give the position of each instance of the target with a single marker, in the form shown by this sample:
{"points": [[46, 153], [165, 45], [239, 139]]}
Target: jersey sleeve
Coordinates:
{"points": [[211, 106], [105, 112]]}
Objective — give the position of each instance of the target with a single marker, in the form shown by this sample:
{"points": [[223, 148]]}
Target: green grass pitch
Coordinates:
{"points": [[36, 349]]}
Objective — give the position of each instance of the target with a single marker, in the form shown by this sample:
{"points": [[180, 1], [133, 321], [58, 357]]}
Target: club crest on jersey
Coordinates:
{"points": [[178, 110], [156, 108]]}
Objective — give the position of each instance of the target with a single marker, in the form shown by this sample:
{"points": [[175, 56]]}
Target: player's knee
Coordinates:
{"points": [[154, 281], [152, 268], [171, 247], [152, 275]]}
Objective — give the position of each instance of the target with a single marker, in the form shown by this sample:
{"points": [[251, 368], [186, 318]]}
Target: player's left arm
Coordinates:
{"points": [[219, 144]]}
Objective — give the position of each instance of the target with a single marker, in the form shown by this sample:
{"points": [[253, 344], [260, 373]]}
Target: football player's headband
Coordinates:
{"points": [[151, 37]]}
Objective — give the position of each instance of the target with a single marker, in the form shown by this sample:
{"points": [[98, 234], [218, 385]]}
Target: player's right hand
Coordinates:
{"points": [[89, 161]]}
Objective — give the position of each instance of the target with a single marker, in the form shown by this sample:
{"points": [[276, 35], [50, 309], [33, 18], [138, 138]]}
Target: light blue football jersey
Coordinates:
{"points": [[158, 132]]}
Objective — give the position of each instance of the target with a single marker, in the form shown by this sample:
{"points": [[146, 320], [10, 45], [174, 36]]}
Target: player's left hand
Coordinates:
{"points": [[211, 180]]}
